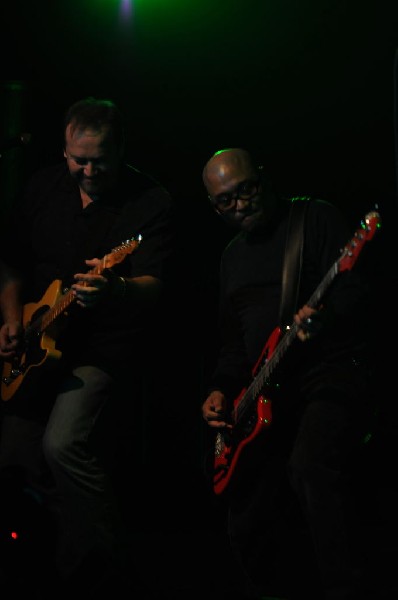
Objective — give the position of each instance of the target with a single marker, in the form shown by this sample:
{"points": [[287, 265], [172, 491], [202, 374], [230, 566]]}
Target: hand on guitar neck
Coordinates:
{"points": [[31, 343]]}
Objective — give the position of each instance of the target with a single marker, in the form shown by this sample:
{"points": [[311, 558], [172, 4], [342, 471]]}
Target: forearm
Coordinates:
{"points": [[142, 289]]}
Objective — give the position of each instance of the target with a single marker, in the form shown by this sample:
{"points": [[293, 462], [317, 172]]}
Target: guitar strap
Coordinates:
{"points": [[292, 261]]}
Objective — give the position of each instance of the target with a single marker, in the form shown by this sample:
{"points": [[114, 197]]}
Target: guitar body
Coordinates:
{"points": [[44, 321], [229, 445], [39, 347]]}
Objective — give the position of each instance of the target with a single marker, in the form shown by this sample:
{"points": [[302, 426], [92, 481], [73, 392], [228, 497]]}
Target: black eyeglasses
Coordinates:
{"points": [[244, 191]]}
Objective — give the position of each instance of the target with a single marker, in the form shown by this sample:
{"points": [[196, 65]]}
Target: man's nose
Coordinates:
{"points": [[90, 169], [241, 201]]}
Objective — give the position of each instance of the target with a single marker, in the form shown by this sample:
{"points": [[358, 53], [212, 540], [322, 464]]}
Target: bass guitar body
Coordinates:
{"points": [[230, 444]]}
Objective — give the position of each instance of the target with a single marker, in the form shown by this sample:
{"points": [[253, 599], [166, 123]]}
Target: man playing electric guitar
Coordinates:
{"points": [[74, 429], [41, 324], [314, 411]]}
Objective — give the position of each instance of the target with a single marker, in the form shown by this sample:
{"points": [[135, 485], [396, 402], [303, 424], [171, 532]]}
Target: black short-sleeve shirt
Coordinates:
{"points": [[49, 236]]}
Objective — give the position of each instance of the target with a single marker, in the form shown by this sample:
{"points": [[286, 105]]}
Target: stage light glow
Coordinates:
{"points": [[126, 9]]}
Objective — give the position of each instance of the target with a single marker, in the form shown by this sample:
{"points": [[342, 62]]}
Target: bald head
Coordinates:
{"points": [[227, 166], [238, 190]]}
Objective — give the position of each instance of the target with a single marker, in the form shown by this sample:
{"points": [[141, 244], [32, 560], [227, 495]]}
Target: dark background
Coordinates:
{"points": [[308, 87]]}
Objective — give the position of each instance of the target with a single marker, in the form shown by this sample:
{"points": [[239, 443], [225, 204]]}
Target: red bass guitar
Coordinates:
{"points": [[252, 410]]}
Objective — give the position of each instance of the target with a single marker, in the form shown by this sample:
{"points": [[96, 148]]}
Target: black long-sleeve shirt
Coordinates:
{"points": [[250, 293]]}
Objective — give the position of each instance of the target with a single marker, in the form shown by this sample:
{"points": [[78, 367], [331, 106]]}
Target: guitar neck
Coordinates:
{"points": [[313, 302], [116, 256], [63, 302], [264, 375], [59, 307]]}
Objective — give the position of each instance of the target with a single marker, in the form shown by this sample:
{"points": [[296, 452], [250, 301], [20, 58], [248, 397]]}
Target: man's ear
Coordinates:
{"points": [[64, 153]]}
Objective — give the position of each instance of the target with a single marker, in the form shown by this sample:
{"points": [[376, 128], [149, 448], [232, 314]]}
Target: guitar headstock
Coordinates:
{"points": [[370, 224], [119, 253], [365, 232]]}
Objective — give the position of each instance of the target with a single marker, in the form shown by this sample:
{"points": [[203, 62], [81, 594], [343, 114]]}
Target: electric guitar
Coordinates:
{"points": [[252, 410], [43, 322]]}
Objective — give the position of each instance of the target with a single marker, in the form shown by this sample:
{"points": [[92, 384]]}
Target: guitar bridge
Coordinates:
{"points": [[14, 373]]}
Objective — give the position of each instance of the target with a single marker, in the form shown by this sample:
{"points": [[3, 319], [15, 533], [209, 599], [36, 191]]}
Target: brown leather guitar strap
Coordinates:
{"points": [[293, 261]]}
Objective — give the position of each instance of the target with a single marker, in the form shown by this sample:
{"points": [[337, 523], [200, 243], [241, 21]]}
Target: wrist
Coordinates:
{"points": [[117, 286]]}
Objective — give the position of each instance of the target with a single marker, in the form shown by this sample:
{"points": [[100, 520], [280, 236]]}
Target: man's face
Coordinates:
{"points": [[93, 158], [238, 195]]}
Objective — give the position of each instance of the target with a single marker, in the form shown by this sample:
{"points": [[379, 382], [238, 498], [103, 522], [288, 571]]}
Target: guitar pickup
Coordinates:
{"points": [[14, 373]]}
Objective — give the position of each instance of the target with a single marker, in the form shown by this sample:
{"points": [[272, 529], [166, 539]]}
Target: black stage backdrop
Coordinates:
{"points": [[308, 87]]}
